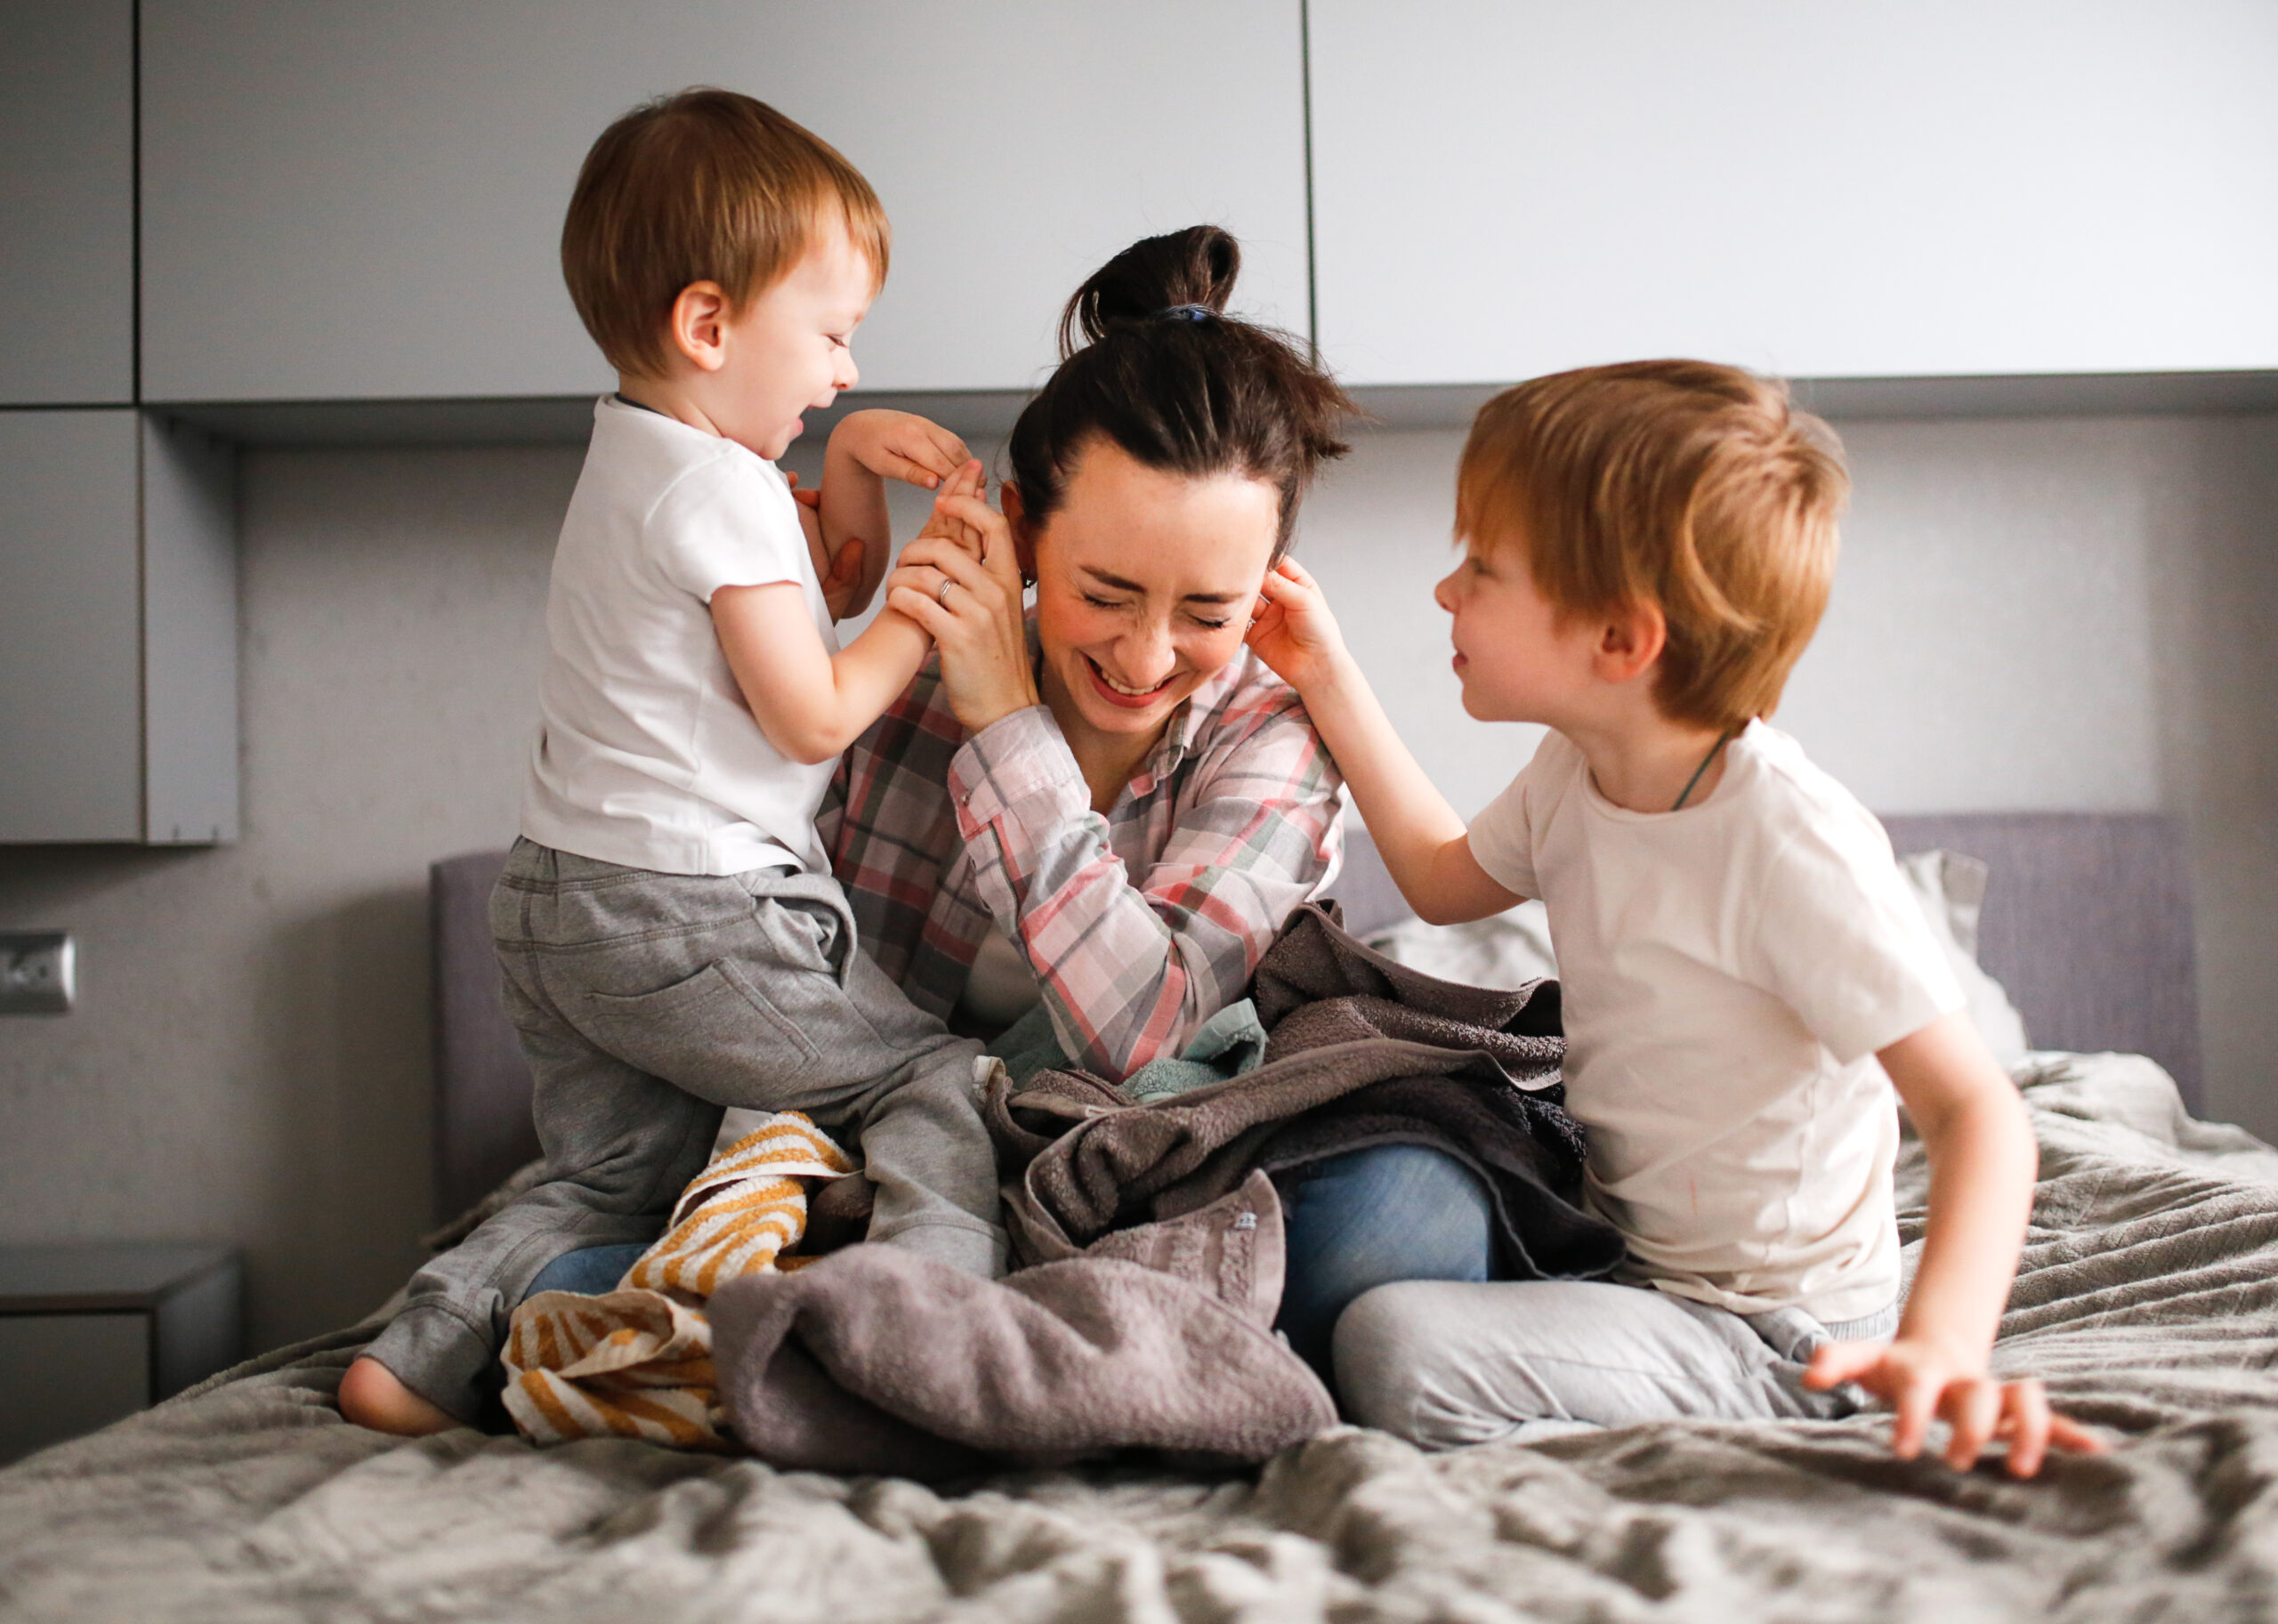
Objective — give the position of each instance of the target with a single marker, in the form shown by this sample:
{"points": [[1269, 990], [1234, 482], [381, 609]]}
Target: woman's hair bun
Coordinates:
{"points": [[1150, 361], [1194, 267]]}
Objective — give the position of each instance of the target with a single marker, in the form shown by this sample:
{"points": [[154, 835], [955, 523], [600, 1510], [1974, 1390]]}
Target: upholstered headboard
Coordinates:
{"points": [[2086, 922]]}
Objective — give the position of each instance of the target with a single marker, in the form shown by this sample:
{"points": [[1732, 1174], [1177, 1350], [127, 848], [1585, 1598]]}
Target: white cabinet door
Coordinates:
{"points": [[366, 202], [119, 621], [1827, 190], [66, 203]]}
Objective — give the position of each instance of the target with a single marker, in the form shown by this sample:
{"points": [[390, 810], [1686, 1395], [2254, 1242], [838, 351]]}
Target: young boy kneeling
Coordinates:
{"points": [[673, 940]]}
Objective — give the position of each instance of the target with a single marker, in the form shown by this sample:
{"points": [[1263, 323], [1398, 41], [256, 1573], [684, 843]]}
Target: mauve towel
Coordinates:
{"points": [[873, 1360]]}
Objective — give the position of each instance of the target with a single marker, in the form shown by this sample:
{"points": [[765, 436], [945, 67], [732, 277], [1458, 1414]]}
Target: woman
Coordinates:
{"points": [[1113, 807], [1110, 807]]}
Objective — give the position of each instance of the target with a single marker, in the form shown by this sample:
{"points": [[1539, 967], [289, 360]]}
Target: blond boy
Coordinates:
{"points": [[1648, 549], [673, 940]]}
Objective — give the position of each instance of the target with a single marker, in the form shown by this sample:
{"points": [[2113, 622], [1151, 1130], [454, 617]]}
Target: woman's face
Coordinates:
{"points": [[1145, 583]]}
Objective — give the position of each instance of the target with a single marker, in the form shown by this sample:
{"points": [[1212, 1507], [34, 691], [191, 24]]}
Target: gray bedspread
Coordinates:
{"points": [[2149, 1297]]}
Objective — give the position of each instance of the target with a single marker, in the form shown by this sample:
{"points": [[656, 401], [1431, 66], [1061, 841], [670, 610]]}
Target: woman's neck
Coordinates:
{"points": [[1106, 760]]}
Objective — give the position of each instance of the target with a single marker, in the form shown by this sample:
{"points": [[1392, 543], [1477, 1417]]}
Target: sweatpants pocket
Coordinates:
{"points": [[715, 1034]]}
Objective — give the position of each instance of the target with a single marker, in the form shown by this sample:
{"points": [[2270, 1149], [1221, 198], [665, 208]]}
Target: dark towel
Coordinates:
{"points": [[1361, 1051]]}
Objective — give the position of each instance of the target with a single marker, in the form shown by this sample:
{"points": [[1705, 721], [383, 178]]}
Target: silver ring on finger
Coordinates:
{"points": [[942, 596]]}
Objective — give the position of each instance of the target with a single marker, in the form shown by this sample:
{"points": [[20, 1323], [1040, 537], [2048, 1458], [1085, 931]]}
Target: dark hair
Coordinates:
{"points": [[1150, 361]]}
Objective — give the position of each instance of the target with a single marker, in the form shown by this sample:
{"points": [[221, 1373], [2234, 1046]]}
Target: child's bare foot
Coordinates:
{"points": [[371, 1396]]}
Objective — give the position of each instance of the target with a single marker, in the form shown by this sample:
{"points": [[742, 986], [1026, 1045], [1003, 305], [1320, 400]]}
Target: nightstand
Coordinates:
{"points": [[89, 1333]]}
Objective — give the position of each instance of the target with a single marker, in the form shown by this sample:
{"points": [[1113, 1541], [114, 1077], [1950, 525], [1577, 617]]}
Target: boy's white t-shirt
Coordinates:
{"points": [[646, 754], [1727, 973]]}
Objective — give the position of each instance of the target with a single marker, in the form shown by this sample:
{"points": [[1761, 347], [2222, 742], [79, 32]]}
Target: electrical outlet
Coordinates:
{"points": [[35, 973]]}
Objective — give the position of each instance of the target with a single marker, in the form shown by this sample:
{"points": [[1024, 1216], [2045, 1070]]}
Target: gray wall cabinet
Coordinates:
{"points": [[355, 202], [117, 630], [66, 203], [1826, 191]]}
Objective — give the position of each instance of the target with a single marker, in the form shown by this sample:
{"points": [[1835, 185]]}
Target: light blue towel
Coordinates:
{"points": [[1227, 1044]]}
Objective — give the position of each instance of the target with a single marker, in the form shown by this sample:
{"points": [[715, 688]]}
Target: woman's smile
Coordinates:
{"points": [[1120, 693]]}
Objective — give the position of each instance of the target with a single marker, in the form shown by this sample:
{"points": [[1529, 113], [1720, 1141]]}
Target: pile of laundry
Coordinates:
{"points": [[1147, 1246]]}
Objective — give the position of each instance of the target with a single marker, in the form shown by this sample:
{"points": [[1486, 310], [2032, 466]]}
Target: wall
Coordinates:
{"points": [[2031, 613]]}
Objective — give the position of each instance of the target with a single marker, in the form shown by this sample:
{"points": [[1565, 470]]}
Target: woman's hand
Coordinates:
{"points": [[1293, 631], [961, 581], [1920, 1380]]}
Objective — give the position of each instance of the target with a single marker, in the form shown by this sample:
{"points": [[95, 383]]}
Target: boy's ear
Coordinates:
{"points": [[1629, 642], [699, 325], [1016, 519]]}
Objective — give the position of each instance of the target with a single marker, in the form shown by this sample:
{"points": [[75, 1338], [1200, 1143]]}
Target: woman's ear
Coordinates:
{"points": [[699, 325], [1629, 642], [1016, 519]]}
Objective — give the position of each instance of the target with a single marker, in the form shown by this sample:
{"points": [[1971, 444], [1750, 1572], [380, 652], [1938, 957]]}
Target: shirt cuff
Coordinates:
{"points": [[1012, 759]]}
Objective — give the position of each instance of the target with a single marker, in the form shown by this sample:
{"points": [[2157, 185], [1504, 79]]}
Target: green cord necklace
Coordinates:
{"points": [[1685, 794]]}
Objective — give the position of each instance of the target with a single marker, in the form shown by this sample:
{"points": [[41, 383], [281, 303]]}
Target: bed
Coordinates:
{"points": [[2148, 1298]]}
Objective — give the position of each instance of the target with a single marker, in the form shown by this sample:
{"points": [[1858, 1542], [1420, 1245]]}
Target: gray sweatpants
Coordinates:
{"points": [[1443, 1364], [647, 1004]]}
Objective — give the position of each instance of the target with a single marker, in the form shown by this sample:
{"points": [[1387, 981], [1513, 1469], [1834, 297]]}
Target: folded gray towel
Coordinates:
{"points": [[875, 1359]]}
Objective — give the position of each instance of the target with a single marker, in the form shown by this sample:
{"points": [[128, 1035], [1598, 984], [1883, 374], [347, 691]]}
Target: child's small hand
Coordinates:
{"points": [[1292, 630], [946, 522], [899, 446], [1920, 1380]]}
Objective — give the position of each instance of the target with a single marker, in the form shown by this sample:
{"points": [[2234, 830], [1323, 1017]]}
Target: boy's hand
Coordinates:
{"points": [[1292, 630], [946, 521], [899, 446], [1921, 1379]]}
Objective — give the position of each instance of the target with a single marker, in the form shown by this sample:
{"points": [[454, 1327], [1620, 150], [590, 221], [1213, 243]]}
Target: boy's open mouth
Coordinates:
{"points": [[1115, 693]]}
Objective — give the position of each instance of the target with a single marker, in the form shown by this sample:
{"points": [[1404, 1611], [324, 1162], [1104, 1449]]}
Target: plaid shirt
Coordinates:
{"points": [[1141, 925]]}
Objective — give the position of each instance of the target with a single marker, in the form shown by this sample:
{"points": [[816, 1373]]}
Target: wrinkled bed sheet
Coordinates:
{"points": [[2149, 1297]]}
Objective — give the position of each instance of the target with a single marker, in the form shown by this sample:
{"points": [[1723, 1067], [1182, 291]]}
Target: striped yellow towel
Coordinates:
{"points": [[636, 1362]]}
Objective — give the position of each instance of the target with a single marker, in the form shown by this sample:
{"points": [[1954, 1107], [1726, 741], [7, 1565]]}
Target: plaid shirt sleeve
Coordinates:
{"points": [[888, 824], [1131, 963]]}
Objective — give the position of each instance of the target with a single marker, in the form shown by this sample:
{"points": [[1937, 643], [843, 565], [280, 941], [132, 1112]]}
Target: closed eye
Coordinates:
{"points": [[1099, 602]]}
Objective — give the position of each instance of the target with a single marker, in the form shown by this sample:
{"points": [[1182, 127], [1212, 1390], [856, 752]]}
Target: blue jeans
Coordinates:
{"points": [[1367, 1218], [590, 1269]]}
